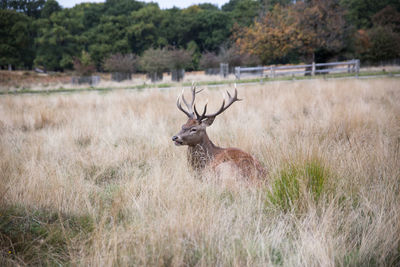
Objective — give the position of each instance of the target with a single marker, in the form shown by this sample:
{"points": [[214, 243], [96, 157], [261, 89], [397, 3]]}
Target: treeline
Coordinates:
{"points": [[128, 34]]}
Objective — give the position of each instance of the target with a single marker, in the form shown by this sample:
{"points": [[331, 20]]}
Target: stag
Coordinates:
{"points": [[202, 153]]}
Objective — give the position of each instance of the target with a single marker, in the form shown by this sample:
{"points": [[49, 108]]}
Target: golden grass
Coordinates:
{"points": [[109, 158]]}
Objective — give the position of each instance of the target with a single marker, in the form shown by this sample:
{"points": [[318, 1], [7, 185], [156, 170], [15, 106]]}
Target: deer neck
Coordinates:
{"points": [[203, 153]]}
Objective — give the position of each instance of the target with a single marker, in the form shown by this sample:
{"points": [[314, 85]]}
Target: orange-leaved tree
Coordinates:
{"points": [[321, 25], [270, 38]]}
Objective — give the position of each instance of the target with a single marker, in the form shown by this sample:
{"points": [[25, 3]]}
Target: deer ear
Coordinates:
{"points": [[207, 122]]}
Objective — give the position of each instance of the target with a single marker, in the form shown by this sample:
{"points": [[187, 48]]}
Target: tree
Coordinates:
{"points": [[177, 61], [243, 12], [84, 65], [234, 57], [154, 62], [59, 39], [268, 5], [305, 28], [209, 60], [384, 44], [120, 63], [49, 8], [360, 12], [205, 25], [16, 40], [145, 30], [229, 55], [120, 66], [121, 7], [194, 49], [381, 42], [210, 29], [108, 37], [31, 8], [388, 17], [271, 38], [321, 26]]}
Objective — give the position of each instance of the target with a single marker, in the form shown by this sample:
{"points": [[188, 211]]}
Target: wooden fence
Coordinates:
{"points": [[352, 66]]}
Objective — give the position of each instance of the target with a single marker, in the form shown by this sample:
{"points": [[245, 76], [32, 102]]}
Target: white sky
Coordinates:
{"points": [[161, 3]]}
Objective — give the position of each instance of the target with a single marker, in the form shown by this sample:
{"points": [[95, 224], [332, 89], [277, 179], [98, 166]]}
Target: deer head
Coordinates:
{"points": [[194, 130]]}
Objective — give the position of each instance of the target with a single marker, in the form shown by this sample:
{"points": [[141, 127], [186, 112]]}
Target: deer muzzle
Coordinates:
{"points": [[177, 140]]}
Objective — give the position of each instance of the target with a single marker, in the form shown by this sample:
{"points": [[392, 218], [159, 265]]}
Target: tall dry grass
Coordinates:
{"points": [[94, 179]]}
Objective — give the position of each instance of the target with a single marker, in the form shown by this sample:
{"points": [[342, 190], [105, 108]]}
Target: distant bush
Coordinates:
{"points": [[154, 62], [209, 60], [232, 56], [120, 63], [84, 65], [178, 60]]}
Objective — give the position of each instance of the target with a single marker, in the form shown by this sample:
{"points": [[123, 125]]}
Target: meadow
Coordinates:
{"points": [[93, 179]]}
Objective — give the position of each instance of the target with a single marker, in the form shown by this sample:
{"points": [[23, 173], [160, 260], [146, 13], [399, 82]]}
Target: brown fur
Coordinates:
{"points": [[247, 165]]}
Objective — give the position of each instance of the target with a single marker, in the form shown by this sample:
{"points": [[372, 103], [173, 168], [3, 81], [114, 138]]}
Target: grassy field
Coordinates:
{"points": [[93, 179]]}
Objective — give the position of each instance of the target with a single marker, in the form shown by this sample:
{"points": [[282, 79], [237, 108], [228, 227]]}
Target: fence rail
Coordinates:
{"points": [[351, 66]]}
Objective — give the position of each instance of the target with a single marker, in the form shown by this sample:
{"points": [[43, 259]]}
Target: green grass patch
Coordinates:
{"points": [[39, 237], [294, 181]]}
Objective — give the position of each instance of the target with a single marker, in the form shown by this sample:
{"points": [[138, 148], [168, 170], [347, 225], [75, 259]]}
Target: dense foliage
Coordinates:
{"points": [[40, 33]]}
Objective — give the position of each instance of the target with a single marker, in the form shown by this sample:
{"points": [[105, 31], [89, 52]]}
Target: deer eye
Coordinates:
{"points": [[193, 130]]}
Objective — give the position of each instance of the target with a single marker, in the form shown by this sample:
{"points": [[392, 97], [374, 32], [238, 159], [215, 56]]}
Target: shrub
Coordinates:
{"points": [[231, 55], [234, 57], [84, 65], [120, 63], [154, 62], [178, 61], [209, 60]]}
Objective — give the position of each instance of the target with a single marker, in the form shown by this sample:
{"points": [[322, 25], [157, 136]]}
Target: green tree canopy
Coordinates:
{"points": [[59, 39], [42, 33], [145, 30], [31, 8], [49, 8], [360, 12], [16, 39]]}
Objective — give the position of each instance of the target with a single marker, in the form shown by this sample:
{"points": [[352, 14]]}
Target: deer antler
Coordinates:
{"points": [[189, 111], [231, 100]]}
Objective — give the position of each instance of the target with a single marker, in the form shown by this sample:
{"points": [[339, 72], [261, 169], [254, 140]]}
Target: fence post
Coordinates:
{"points": [[312, 69], [224, 69], [237, 72], [272, 72], [357, 63]]}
